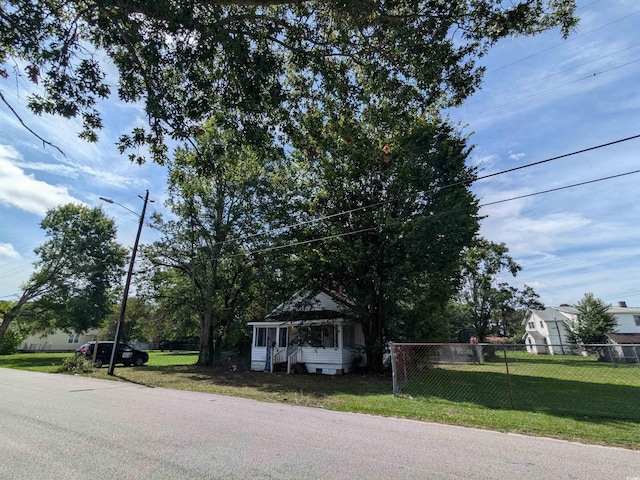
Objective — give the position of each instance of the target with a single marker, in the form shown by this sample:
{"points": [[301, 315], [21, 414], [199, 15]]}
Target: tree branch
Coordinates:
{"points": [[44, 142]]}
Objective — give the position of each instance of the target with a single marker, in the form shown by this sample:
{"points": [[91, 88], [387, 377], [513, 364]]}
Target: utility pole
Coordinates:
{"points": [[127, 284]]}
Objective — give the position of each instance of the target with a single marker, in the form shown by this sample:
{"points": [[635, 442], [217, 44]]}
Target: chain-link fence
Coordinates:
{"points": [[586, 381]]}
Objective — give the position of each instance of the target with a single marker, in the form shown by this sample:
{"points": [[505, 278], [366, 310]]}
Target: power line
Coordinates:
{"points": [[559, 157], [354, 232], [560, 188], [546, 77], [570, 39], [384, 202], [550, 89]]}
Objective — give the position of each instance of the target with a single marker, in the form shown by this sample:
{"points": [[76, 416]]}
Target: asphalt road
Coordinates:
{"points": [[71, 427]]}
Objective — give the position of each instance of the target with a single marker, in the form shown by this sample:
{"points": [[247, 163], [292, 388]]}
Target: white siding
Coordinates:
{"points": [[626, 323], [56, 342], [329, 361]]}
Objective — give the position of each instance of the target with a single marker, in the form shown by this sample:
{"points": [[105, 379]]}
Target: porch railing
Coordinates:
{"points": [[278, 355], [295, 357]]}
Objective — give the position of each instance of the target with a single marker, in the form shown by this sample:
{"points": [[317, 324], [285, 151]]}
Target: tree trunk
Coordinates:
{"points": [[205, 354], [372, 329], [6, 320], [11, 314]]}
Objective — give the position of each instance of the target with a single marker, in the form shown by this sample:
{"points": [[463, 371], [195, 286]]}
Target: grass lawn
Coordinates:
{"points": [[581, 401]]}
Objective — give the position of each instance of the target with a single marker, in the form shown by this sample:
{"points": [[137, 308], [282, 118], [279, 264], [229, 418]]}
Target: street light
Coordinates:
{"points": [[108, 200], [127, 284]]}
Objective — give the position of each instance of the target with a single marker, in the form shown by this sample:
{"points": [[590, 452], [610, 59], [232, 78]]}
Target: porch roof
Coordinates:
{"points": [[298, 321]]}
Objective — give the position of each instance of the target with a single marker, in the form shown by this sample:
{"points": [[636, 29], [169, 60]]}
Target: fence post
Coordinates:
{"points": [[393, 368], [613, 362], [506, 363]]}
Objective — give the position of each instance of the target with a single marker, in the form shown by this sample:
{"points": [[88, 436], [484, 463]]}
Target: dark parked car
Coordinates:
{"points": [[125, 355]]}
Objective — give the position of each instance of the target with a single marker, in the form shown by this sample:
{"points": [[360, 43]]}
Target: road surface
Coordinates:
{"points": [[72, 427]]}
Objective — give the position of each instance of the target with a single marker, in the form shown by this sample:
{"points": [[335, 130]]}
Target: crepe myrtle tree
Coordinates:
{"points": [[252, 65], [78, 267]]}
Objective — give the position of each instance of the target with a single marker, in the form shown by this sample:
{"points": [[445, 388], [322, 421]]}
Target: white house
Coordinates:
{"points": [[58, 341], [547, 330], [315, 331]]}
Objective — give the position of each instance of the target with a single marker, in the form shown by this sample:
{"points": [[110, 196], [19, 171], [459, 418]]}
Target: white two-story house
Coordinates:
{"points": [[547, 330]]}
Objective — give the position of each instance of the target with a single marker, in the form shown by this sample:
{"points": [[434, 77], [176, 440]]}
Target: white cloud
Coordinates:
{"points": [[8, 251], [74, 171], [25, 192]]}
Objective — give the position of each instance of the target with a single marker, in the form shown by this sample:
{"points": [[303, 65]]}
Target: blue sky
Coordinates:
{"points": [[541, 97]]}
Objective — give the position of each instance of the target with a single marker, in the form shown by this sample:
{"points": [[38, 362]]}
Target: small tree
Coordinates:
{"points": [[481, 293], [76, 271], [594, 321], [13, 336]]}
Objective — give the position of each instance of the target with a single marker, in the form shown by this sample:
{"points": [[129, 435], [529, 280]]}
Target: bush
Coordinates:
{"points": [[11, 341], [77, 364]]}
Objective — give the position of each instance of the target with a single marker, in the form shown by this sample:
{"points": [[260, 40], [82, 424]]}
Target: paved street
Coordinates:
{"points": [[71, 427]]}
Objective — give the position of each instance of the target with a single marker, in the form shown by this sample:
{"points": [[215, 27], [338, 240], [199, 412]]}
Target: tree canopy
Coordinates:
{"points": [[77, 269], [253, 64], [490, 303], [394, 212]]}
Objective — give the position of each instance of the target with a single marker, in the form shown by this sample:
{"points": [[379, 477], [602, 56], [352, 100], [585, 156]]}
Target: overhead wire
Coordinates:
{"points": [[587, 77], [450, 185], [601, 179], [377, 227], [570, 39], [546, 77]]}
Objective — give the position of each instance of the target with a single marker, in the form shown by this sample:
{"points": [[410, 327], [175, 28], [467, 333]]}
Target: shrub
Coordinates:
{"points": [[77, 364], [11, 341]]}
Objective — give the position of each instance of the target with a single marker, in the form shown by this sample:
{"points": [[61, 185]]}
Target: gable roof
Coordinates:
{"points": [[323, 304], [550, 314]]}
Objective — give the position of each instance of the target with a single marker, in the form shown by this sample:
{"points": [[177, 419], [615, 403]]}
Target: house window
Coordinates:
{"points": [[325, 336], [74, 338], [636, 318], [348, 336], [532, 324], [329, 336], [261, 337], [265, 336], [282, 337], [541, 324]]}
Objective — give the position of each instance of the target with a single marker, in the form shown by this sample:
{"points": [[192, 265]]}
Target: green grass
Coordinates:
{"points": [[578, 399], [46, 362]]}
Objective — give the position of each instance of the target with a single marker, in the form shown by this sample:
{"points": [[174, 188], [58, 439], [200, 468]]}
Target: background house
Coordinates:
{"points": [[314, 330], [547, 330], [58, 341]]}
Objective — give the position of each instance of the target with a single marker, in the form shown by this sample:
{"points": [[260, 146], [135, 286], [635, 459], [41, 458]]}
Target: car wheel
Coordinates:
{"points": [[99, 362], [138, 361]]}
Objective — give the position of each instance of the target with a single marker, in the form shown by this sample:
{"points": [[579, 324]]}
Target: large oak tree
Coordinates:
{"points": [[395, 212], [203, 260], [253, 64]]}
